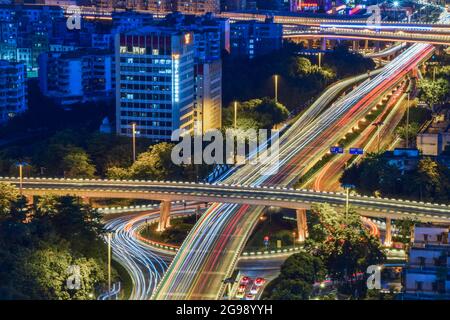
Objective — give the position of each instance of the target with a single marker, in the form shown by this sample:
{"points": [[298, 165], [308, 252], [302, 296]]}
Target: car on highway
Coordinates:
{"points": [[245, 280], [240, 293], [254, 289], [260, 281], [250, 297]]}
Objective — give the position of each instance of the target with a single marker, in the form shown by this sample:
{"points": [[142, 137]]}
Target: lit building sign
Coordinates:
{"points": [[176, 78]]}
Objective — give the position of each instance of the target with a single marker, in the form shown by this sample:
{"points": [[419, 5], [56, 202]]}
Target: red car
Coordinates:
{"points": [[245, 281], [260, 281]]}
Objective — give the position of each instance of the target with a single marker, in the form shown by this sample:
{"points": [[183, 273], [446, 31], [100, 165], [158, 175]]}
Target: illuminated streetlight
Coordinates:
{"points": [[347, 188], [407, 119], [276, 88], [235, 115], [133, 135], [109, 263], [378, 125], [20, 165]]}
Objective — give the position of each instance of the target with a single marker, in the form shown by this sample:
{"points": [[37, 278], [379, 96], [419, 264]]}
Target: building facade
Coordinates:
{"points": [[155, 82], [13, 99], [79, 76], [427, 274], [253, 38]]}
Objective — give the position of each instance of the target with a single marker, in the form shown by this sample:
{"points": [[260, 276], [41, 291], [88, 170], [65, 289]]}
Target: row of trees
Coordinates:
{"points": [[40, 243], [255, 114], [80, 154], [300, 77], [339, 246], [374, 175]]}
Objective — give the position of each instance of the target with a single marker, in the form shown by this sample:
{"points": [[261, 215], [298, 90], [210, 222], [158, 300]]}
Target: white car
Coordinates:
{"points": [[250, 297]]}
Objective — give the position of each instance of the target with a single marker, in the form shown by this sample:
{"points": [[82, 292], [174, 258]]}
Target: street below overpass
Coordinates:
{"points": [[210, 252]]}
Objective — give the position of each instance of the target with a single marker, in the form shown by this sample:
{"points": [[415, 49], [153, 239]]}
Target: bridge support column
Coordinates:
{"points": [[355, 45], [30, 200], [323, 45], [310, 44], [388, 237], [302, 225], [164, 217], [377, 46], [366, 44]]}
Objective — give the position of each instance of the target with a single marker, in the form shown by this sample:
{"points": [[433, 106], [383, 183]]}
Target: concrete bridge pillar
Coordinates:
{"points": [[323, 44], [355, 45], [30, 200], [164, 217], [310, 44], [377, 46], [388, 237], [302, 225], [366, 44]]}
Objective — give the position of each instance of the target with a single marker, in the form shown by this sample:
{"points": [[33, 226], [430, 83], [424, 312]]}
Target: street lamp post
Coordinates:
{"points": [[378, 125], [276, 88], [133, 134], [347, 188], [20, 165], [293, 238], [235, 115], [407, 119], [20, 177], [109, 264]]}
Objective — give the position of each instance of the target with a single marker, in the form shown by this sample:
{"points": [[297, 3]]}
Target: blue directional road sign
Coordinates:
{"points": [[336, 150], [356, 151]]}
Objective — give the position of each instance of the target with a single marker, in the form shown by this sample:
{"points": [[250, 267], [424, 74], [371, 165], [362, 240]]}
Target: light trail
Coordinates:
{"points": [[209, 253]]}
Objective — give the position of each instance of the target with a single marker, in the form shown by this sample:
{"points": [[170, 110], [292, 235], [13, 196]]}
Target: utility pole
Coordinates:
{"points": [[20, 177], [276, 88], [235, 115], [407, 120], [133, 134], [109, 264], [378, 125]]}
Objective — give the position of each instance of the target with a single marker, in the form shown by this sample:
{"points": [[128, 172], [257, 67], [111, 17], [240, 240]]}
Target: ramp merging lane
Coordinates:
{"points": [[210, 252]]}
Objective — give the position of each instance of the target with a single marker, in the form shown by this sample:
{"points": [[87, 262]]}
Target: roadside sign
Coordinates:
{"points": [[336, 150], [356, 151]]}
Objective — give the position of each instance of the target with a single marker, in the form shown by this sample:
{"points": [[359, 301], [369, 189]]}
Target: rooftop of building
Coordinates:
{"points": [[402, 153], [439, 124], [154, 29], [83, 52]]}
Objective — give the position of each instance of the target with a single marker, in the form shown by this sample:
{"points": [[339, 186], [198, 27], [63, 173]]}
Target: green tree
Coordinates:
{"points": [[412, 130], [156, 164], [433, 92], [343, 243], [77, 164], [8, 194], [297, 275], [405, 228]]}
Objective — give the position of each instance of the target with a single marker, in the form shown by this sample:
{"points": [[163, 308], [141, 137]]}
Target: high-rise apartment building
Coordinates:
{"points": [[155, 82], [79, 76], [12, 90], [254, 38]]}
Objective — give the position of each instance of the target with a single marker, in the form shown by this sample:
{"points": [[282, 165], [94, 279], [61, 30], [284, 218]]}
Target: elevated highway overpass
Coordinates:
{"points": [[225, 193], [355, 34]]}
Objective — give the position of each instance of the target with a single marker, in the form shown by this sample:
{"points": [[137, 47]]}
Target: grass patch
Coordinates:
{"points": [[276, 227], [125, 280], [174, 235]]}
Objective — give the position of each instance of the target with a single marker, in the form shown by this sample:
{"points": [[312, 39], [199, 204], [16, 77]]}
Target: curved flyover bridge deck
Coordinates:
{"points": [[224, 193], [212, 248], [413, 37]]}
